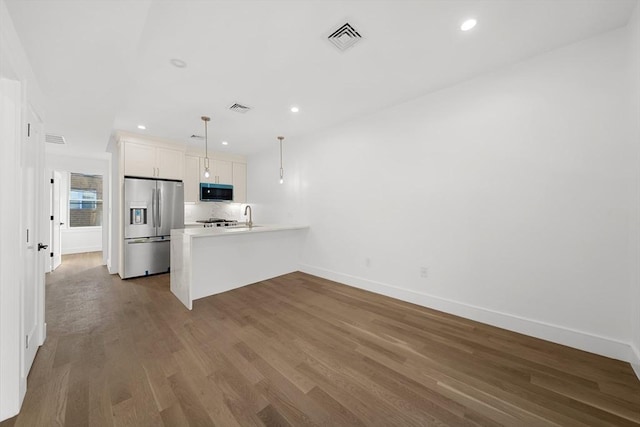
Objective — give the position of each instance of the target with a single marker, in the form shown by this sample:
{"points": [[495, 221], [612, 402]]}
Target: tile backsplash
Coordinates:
{"points": [[196, 211]]}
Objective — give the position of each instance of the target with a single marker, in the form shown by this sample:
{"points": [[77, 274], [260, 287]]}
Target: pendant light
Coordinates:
{"points": [[281, 170], [206, 119]]}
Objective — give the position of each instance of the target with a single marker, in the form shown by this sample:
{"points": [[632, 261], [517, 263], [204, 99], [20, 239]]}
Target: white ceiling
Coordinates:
{"points": [[104, 65]]}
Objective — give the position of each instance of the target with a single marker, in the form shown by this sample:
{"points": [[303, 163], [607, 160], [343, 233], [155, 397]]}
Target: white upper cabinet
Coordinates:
{"points": [[156, 158], [191, 179], [170, 163], [220, 171], [139, 160], [153, 162], [224, 171], [239, 182]]}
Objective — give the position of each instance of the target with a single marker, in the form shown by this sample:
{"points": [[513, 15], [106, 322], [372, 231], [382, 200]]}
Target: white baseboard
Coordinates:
{"points": [[558, 334], [81, 250], [44, 333], [636, 365]]}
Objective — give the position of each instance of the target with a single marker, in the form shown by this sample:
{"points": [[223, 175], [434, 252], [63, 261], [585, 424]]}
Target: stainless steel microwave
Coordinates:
{"points": [[216, 192]]}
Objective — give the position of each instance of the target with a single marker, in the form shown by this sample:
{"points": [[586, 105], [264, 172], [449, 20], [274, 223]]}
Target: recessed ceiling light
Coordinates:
{"points": [[225, 143], [143, 127], [179, 63], [468, 24], [294, 109]]}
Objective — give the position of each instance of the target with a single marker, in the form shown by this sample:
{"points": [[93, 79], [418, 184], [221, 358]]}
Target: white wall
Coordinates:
{"points": [[82, 239], [513, 189], [634, 50]]}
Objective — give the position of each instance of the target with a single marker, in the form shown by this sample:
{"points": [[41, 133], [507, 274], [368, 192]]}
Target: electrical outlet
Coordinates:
{"points": [[424, 272], [367, 262]]}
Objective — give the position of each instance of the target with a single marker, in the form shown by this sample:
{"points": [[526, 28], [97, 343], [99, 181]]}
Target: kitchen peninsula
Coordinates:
{"points": [[208, 261]]}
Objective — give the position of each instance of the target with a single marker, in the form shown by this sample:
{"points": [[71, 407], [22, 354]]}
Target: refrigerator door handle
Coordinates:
{"points": [[153, 207], [159, 204]]}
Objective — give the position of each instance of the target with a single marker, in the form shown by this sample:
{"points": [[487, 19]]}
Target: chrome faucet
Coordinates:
{"points": [[250, 222]]}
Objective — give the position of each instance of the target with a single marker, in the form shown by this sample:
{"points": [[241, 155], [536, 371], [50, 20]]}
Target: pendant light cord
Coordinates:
{"points": [[281, 169], [206, 119], [206, 137]]}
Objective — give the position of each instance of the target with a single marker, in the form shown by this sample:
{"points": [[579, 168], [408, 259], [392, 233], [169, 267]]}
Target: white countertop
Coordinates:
{"points": [[229, 231]]}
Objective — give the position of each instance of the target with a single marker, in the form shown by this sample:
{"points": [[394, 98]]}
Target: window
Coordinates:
{"points": [[85, 200]]}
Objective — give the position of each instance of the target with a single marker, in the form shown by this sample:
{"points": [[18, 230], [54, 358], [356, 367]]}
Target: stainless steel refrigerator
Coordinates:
{"points": [[152, 208]]}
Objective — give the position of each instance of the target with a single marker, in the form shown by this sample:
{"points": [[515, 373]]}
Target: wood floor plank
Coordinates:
{"points": [[77, 406], [189, 402], [162, 393], [203, 393], [298, 350], [272, 418], [124, 414], [173, 416], [340, 413]]}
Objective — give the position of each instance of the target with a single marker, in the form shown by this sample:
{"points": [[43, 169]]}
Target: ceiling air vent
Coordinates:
{"points": [[239, 108], [54, 139], [344, 37]]}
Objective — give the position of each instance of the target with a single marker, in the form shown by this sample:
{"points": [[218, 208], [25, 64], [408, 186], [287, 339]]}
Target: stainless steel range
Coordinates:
{"points": [[218, 222]]}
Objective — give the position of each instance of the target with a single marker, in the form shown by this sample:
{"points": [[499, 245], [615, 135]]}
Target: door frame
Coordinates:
{"points": [[55, 245]]}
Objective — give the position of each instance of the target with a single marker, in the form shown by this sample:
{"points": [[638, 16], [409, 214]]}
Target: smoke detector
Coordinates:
{"points": [[54, 139], [239, 108], [344, 37]]}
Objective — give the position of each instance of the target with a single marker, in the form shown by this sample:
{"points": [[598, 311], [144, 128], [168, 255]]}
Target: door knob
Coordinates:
{"points": [[41, 246]]}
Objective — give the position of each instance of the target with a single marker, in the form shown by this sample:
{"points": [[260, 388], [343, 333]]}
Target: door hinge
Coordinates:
{"points": [[51, 217], [51, 255], [26, 341], [28, 129], [27, 235], [52, 180]]}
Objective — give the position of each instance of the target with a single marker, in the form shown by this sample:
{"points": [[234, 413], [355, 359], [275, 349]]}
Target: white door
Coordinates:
{"points": [[32, 266], [56, 235]]}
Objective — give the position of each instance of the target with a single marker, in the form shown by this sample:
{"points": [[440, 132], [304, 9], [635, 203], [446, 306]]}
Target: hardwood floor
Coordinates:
{"points": [[298, 350]]}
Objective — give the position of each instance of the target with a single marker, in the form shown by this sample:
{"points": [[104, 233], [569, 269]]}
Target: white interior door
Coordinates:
{"points": [[32, 265], [56, 235], [12, 386]]}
